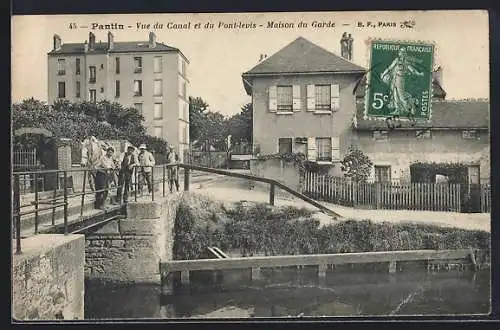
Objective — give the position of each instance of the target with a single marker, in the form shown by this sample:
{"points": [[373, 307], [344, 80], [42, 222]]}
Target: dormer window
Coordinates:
{"points": [[470, 134]]}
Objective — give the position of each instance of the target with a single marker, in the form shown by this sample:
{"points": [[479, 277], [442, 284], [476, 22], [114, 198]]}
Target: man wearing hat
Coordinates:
{"points": [[146, 161], [173, 173], [104, 168], [127, 165]]}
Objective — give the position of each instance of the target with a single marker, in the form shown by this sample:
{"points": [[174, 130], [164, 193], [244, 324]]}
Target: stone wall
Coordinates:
{"points": [[130, 250], [48, 278]]}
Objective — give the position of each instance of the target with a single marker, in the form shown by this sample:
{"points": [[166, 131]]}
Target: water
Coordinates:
{"points": [[288, 292]]}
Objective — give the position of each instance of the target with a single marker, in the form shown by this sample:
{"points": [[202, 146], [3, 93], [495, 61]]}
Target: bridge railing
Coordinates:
{"points": [[22, 207], [158, 174]]}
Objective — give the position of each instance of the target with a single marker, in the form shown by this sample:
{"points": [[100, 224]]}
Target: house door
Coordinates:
{"points": [[473, 189], [285, 145]]}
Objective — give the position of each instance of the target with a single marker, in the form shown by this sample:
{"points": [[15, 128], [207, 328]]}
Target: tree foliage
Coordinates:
{"points": [[356, 165], [77, 121], [241, 124]]}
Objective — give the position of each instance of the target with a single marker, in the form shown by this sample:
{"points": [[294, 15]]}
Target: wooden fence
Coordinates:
{"points": [[377, 195]]}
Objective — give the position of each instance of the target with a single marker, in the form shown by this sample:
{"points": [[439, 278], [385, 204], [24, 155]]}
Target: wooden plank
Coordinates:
{"points": [[314, 259]]}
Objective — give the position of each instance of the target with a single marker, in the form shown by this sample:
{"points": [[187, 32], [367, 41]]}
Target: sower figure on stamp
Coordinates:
{"points": [[146, 161], [104, 172], [401, 101], [127, 165], [173, 172]]}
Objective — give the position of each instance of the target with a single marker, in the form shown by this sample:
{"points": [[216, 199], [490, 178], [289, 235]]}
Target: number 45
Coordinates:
{"points": [[378, 100]]}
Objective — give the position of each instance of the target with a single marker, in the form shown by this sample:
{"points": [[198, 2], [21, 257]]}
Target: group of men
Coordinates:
{"points": [[105, 173]]}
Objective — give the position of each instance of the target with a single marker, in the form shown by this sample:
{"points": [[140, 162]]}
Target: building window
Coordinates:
{"points": [[157, 87], [284, 98], [323, 97], [158, 111], [186, 134], [102, 89], [77, 70], [92, 74], [184, 92], [117, 88], [138, 107], [117, 65], [61, 89], [186, 112], [470, 134], [380, 135], [157, 64], [285, 145], [61, 67], [78, 87], [92, 95], [382, 173], [324, 149], [158, 131], [137, 87], [102, 66], [137, 64], [423, 134]]}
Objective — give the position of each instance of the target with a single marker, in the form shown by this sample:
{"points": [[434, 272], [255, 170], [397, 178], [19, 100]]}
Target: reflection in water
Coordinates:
{"points": [[287, 292]]}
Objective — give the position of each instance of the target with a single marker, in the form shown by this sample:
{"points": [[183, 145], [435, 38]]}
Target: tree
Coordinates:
{"points": [[356, 165], [241, 124], [197, 107], [77, 121]]}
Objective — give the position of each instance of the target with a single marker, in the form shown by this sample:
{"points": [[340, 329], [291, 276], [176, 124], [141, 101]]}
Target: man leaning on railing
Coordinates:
{"points": [[128, 162], [104, 172], [173, 173]]}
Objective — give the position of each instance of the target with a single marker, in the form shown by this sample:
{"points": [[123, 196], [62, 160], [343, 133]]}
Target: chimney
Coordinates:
{"points": [[111, 41], [438, 75], [152, 40], [261, 57], [57, 42], [85, 46], [91, 41], [346, 46]]}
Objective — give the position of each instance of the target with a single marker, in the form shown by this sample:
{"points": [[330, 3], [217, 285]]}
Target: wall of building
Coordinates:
{"points": [[130, 250], [269, 126], [174, 128], [284, 172], [48, 278], [403, 148]]}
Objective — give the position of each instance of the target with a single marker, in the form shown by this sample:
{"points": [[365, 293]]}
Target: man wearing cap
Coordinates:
{"points": [[173, 173], [127, 165], [104, 168], [146, 161]]}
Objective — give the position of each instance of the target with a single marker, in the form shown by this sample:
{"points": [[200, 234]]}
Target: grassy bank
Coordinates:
{"points": [[260, 229]]}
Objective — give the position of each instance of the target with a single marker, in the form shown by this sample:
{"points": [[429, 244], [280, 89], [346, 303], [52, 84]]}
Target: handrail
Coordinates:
{"points": [[270, 181], [62, 201]]}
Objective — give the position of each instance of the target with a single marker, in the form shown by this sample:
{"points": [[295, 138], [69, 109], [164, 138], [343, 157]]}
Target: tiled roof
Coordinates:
{"points": [[119, 47], [445, 114], [438, 91], [302, 56]]}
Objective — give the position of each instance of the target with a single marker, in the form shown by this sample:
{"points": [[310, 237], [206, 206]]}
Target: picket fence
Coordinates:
{"points": [[378, 195]]}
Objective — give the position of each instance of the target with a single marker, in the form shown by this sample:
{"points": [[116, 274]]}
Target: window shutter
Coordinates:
{"points": [[311, 98], [335, 149], [296, 98], [311, 149], [273, 102], [335, 97]]}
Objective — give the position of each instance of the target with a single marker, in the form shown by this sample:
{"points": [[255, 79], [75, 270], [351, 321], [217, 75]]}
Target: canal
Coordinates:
{"points": [[290, 292]]}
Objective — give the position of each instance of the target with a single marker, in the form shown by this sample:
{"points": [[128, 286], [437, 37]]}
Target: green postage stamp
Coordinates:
{"points": [[399, 80]]}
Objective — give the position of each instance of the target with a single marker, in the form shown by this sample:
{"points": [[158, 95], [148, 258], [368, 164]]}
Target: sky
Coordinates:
{"points": [[219, 55]]}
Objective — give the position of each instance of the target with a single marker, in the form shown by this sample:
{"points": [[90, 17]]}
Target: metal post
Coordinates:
{"points": [[83, 192], [136, 184], [153, 183], [54, 201], [17, 210], [271, 194], [186, 179], [65, 195], [163, 181], [35, 177]]}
